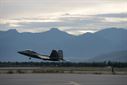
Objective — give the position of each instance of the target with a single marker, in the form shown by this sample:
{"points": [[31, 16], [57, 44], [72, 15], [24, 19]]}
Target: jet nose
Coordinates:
{"points": [[20, 52]]}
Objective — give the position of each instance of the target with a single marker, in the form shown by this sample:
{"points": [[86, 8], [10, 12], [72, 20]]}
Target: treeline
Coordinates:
{"points": [[63, 64]]}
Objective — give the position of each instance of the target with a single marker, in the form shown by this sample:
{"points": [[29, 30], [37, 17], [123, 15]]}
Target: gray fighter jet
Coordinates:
{"points": [[54, 56]]}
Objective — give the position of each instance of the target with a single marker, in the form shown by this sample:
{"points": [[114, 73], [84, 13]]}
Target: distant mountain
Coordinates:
{"points": [[119, 56], [76, 48]]}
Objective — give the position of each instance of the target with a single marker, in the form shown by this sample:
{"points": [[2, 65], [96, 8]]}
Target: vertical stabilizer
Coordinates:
{"points": [[54, 55], [60, 54]]}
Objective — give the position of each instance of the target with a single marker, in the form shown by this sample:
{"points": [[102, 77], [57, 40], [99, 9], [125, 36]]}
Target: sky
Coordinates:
{"points": [[72, 16]]}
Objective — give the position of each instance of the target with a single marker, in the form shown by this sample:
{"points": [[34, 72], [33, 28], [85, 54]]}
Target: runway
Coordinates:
{"points": [[62, 79]]}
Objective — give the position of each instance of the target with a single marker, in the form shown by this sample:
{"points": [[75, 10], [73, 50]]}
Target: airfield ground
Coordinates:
{"points": [[73, 70], [62, 76], [62, 79]]}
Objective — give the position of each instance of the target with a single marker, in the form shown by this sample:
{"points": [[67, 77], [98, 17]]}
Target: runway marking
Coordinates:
{"points": [[73, 83]]}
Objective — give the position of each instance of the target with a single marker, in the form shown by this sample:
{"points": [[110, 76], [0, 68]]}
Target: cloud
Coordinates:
{"points": [[117, 15], [116, 20], [72, 16], [71, 23], [31, 8]]}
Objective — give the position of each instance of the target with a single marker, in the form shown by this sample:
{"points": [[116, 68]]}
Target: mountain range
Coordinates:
{"points": [[118, 56], [76, 48]]}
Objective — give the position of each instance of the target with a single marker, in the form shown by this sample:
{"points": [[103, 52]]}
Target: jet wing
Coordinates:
{"points": [[33, 54]]}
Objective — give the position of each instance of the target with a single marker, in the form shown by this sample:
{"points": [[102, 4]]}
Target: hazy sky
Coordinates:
{"points": [[73, 16]]}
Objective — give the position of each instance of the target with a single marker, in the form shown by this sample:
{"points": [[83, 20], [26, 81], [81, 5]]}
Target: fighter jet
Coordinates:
{"points": [[54, 56]]}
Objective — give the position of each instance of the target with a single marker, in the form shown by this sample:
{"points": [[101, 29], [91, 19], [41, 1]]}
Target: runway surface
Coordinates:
{"points": [[62, 79]]}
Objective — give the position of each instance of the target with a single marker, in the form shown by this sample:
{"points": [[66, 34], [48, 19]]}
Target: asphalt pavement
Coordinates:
{"points": [[62, 79]]}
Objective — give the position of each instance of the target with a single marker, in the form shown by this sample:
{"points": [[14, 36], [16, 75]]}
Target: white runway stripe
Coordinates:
{"points": [[73, 83]]}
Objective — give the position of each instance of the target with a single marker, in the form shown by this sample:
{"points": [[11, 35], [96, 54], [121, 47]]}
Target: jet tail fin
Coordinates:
{"points": [[56, 55], [60, 54]]}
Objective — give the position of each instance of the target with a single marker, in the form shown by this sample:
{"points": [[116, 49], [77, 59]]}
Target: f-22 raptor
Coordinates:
{"points": [[54, 56]]}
